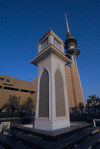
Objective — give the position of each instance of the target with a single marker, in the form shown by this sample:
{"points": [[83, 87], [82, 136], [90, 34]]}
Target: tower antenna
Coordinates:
{"points": [[68, 30]]}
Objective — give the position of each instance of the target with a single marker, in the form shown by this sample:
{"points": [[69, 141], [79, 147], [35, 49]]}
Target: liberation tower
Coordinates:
{"points": [[71, 45], [75, 94]]}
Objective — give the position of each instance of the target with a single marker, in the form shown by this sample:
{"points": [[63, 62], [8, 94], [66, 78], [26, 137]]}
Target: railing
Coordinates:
{"points": [[94, 122]]}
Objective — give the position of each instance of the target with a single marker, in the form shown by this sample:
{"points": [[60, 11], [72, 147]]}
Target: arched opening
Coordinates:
{"points": [[44, 94], [59, 93]]}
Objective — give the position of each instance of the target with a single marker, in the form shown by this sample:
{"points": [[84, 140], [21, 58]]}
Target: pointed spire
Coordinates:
{"points": [[68, 30]]}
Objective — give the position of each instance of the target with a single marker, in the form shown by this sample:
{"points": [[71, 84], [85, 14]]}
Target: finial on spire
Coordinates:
{"points": [[68, 30]]}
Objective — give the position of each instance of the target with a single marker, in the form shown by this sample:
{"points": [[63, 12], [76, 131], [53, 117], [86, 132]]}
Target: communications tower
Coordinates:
{"points": [[74, 89]]}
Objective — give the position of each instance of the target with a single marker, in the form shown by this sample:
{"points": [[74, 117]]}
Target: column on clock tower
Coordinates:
{"points": [[52, 111]]}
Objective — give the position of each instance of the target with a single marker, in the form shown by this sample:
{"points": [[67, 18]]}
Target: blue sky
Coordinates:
{"points": [[24, 22]]}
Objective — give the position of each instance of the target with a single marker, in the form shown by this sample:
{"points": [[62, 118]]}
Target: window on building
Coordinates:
{"points": [[7, 80], [8, 84], [32, 92], [9, 88], [1, 78], [22, 90], [44, 43], [57, 43]]}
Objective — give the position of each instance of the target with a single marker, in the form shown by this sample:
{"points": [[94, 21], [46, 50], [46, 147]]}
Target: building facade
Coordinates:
{"points": [[11, 86]]}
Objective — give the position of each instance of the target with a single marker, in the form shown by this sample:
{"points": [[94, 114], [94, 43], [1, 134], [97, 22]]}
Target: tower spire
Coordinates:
{"points": [[68, 30], [70, 42]]}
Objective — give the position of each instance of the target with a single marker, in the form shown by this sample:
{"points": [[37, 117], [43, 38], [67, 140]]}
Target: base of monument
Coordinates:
{"points": [[47, 125], [76, 134]]}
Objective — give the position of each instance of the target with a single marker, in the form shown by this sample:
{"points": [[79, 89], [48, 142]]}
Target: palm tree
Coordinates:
{"points": [[5, 107], [88, 106], [93, 99], [13, 104], [81, 106], [28, 106]]}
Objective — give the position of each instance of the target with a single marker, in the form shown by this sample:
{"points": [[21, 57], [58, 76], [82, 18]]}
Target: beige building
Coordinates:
{"points": [[11, 86]]}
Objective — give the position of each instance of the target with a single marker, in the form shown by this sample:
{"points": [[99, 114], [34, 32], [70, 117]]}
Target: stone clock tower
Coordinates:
{"points": [[52, 110]]}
